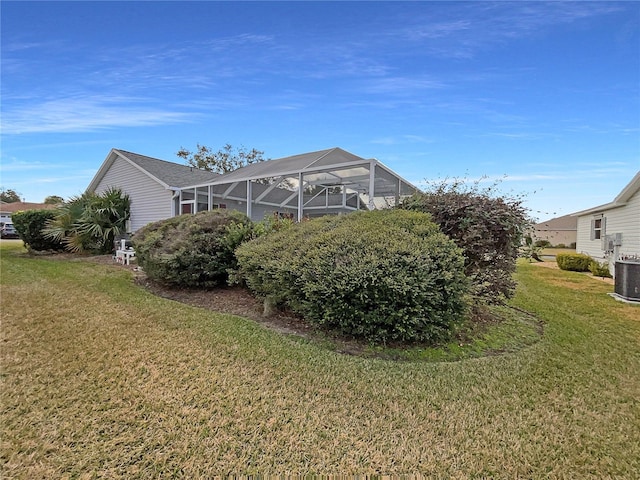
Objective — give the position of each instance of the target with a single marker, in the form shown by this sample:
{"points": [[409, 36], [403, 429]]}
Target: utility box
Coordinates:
{"points": [[627, 280]]}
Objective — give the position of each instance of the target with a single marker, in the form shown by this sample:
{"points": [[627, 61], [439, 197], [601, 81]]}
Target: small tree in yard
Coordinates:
{"points": [[225, 160], [488, 228]]}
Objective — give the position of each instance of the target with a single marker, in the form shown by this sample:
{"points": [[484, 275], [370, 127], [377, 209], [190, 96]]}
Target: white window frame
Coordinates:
{"points": [[598, 227]]}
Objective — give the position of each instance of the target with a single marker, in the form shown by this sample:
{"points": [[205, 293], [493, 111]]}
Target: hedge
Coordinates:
{"points": [[576, 262]]}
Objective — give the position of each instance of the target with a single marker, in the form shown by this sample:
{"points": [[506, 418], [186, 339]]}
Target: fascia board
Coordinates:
{"points": [[598, 209], [391, 172], [222, 180], [627, 192], [109, 161], [106, 164], [621, 200]]}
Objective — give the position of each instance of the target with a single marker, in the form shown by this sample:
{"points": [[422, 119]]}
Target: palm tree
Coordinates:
{"points": [[90, 222], [105, 218]]}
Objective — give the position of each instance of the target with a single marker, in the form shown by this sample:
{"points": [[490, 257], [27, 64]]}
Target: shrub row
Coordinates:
{"points": [[575, 262], [580, 262], [547, 243], [380, 275]]}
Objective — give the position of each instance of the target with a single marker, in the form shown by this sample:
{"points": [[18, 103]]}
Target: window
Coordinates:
{"points": [[598, 228]]}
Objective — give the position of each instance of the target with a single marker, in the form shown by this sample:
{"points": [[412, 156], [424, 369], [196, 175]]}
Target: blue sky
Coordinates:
{"points": [[545, 96]]}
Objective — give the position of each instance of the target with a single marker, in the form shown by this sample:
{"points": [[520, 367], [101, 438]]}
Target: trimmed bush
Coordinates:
{"points": [[543, 243], [598, 269], [191, 250], [575, 262], [380, 275], [30, 225]]}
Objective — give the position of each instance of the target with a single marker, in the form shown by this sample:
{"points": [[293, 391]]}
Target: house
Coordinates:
{"points": [[558, 231], [612, 230], [152, 184], [331, 181], [8, 209]]}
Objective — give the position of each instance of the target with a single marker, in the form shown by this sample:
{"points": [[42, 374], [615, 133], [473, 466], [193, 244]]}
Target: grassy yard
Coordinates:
{"points": [[102, 379], [552, 251]]}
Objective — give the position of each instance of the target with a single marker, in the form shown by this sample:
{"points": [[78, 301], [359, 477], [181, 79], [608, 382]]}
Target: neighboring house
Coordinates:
{"points": [[610, 231], [558, 231], [8, 209], [331, 181]]}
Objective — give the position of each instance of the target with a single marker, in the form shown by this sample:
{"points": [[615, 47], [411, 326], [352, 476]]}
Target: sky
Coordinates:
{"points": [[543, 98]]}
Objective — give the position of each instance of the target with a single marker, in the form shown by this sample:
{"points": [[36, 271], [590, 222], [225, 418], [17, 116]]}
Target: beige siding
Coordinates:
{"points": [[150, 201], [556, 237], [624, 219]]}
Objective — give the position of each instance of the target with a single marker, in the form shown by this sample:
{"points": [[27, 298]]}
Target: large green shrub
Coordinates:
{"points": [[191, 250], [30, 225], [381, 275], [575, 262], [488, 228]]}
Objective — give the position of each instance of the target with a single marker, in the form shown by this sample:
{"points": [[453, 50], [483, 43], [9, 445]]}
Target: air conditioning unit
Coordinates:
{"points": [[627, 280]]}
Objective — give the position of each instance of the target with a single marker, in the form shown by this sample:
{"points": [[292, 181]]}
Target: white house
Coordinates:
{"points": [[150, 183], [611, 231], [331, 181]]}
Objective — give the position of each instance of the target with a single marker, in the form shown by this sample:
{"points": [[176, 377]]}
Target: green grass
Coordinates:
{"points": [[102, 379], [551, 252], [509, 330]]}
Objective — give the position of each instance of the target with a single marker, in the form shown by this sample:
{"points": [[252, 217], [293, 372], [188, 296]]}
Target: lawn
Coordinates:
{"points": [[102, 379]]}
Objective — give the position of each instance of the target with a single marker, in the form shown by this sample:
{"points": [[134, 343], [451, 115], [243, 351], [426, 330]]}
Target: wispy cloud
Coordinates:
{"points": [[86, 113], [473, 26], [402, 139], [401, 85], [17, 166], [519, 135]]}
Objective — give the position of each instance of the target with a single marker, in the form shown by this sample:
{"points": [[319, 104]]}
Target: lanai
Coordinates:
{"points": [[328, 181]]}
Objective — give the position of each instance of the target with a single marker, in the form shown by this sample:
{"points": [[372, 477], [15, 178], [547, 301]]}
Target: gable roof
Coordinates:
{"points": [[168, 174], [294, 164], [566, 222], [19, 206], [334, 166], [623, 197]]}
